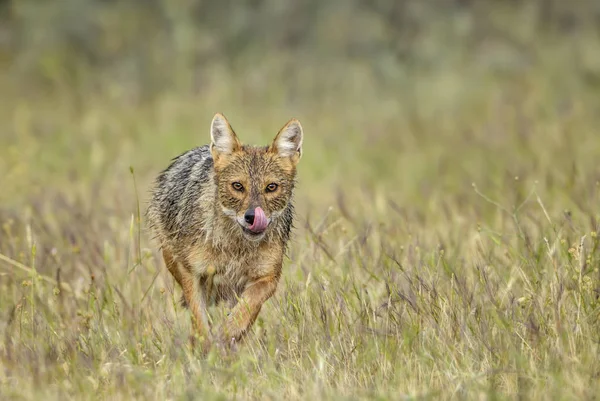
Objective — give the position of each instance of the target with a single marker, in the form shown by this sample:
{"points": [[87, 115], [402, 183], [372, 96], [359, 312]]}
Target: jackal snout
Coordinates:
{"points": [[256, 219]]}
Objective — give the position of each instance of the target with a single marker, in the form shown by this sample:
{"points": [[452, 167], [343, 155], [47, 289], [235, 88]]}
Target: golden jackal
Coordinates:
{"points": [[223, 214]]}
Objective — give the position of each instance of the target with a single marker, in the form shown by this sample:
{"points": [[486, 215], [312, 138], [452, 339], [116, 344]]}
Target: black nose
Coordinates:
{"points": [[249, 216]]}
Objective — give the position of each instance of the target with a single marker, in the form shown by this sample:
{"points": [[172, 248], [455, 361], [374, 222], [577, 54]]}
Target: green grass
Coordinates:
{"points": [[446, 241]]}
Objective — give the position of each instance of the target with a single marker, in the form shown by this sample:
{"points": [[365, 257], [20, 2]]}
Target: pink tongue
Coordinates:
{"points": [[260, 221]]}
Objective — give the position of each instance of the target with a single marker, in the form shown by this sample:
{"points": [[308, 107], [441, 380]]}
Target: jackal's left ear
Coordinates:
{"points": [[288, 142], [223, 139]]}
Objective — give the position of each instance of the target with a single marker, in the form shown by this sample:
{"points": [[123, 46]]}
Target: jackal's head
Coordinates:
{"points": [[255, 184]]}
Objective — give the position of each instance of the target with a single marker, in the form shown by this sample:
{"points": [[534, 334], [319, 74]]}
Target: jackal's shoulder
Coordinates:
{"points": [[192, 161], [177, 187]]}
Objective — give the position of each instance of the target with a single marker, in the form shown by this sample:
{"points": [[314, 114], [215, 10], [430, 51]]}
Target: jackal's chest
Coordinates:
{"points": [[221, 278], [225, 282]]}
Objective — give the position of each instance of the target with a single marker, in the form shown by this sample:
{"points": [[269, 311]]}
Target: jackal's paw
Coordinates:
{"points": [[228, 345], [229, 337]]}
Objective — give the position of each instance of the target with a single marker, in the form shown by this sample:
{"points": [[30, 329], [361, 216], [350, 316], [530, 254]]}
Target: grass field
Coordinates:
{"points": [[446, 242]]}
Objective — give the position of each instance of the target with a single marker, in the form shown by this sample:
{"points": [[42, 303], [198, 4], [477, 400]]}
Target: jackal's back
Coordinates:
{"points": [[174, 212]]}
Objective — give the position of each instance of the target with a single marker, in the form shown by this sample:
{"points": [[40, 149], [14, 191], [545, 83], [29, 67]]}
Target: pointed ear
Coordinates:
{"points": [[288, 142], [223, 139]]}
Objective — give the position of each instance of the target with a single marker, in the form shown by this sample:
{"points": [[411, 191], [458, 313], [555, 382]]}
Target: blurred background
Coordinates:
{"points": [[410, 95]]}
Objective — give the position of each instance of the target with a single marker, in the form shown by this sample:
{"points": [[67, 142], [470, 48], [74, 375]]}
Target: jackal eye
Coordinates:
{"points": [[237, 186], [271, 187]]}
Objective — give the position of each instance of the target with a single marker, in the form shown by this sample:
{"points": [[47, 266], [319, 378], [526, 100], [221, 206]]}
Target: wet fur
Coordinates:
{"points": [[194, 215]]}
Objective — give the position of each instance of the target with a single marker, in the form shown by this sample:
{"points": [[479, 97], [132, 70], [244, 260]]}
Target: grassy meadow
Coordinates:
{"points": [[448, 205]]}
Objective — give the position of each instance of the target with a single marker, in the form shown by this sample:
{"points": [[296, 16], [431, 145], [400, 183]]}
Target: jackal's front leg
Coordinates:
{"points": [[192, 293], [195, 299], [246, 310]]}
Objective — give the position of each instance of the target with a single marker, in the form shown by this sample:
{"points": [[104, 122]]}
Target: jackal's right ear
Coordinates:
{"points": [[223, 139]]}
